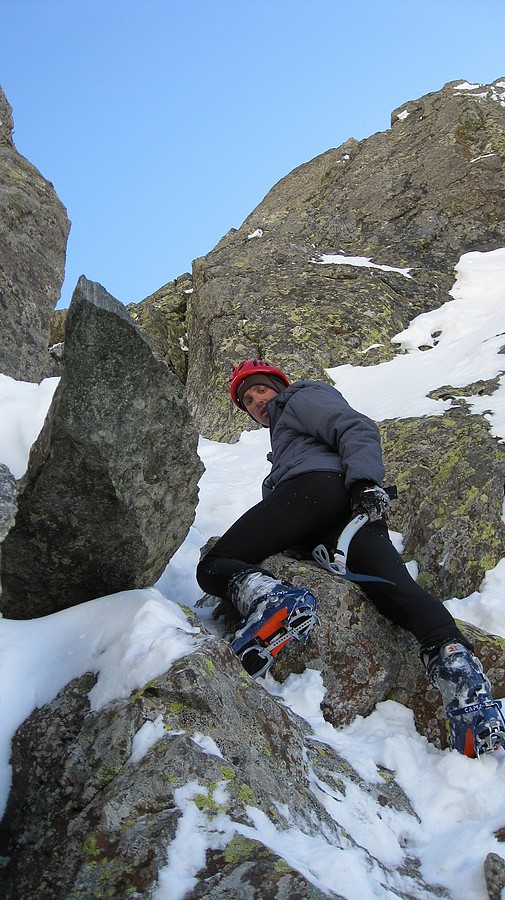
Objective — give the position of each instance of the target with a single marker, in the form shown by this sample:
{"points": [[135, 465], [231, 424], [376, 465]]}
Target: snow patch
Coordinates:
{"points": [[457, 344], [145, 738], [338, 259]]}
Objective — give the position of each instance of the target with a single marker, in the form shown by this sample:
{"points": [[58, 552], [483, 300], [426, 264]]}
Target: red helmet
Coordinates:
{"points": [[252, 367]]}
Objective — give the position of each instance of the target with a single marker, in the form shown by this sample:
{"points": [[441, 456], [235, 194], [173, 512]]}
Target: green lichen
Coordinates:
{"points": [[90, 845], [205, 803], [159, 746], [140, 693], [239, 849], [187, 610], [282, 867], [245, 794], [209, 665], [386, 775]]}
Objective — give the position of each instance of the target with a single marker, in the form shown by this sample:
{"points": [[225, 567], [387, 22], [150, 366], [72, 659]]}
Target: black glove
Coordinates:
{"points": [[369, 498]]}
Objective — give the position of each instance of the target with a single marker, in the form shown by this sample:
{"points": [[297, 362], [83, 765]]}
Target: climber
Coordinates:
{"points": [[326, 467]]}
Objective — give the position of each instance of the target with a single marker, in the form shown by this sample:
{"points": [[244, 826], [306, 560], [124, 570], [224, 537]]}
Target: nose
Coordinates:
{"points": [[259, 407]]}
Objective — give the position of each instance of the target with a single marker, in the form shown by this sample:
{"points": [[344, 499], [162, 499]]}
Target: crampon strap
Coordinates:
{"points": [[474, 707]]}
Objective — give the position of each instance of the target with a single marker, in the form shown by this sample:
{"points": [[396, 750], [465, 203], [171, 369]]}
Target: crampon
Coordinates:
{"points": [[277, 620], [475, 718], [478, 728]]}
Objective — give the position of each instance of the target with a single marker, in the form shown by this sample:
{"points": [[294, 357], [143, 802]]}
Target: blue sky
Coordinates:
{"points": [[163, 123]]}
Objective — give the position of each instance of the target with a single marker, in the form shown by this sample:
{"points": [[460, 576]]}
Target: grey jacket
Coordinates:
{"points": [[313, 428]]}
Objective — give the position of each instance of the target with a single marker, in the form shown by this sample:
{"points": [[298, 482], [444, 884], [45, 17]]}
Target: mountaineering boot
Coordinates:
{"points": [[273, 613], [476, 721]]}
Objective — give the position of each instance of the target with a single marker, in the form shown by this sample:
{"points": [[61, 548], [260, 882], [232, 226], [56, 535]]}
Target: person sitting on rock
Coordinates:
{"points": [[326, 467]]}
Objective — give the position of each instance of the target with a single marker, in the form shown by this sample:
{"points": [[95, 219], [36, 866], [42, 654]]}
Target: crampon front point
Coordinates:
{"points": [[486, 732]]}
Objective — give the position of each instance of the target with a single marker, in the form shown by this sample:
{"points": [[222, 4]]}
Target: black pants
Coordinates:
{"points": [[311, 509]]}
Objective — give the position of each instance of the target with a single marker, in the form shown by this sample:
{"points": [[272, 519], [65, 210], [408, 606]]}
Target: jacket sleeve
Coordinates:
{"points": [[325, 414]]}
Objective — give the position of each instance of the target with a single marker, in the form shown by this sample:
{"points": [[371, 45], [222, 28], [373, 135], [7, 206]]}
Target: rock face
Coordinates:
{"points": [[364, 659], [111, 486], [86, 819], [8, 504], [33, 237], [163, 317], [111, 490], [449, 474], [415, 197]]}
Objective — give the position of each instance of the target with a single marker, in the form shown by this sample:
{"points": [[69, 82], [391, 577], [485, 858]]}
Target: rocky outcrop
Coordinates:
{"points": [[85, 817], [494, 870], [111, 490], [33, 237], [162, 316], [111, 486], [449, 471], [8, 504], [364, 659], [415, 197]]}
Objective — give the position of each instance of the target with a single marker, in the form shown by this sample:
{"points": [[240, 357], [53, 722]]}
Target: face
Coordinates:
{"points": [[255, 402]]}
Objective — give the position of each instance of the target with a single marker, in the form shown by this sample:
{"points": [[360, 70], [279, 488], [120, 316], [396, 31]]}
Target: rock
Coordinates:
{"points": [[449, 473], [249, 870], [57, 326], [364, 659], [111, 486], [414, 197], [83, 818], [8, 504], [494, 870], [33, 237], [162, 316]]}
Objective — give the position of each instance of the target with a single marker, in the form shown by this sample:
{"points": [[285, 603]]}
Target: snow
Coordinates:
{"points": [[465, 86], [488, 94], [463, 338], [339, 259], [254, 234], [132, 637], [484, 156], [24, 407], [146, 737]]}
